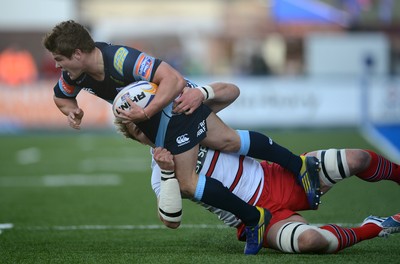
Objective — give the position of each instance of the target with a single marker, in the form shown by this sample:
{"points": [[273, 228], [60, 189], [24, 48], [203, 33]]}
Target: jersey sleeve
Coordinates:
{"points": [[65, 88], [139, 66], [155, 175], [156, 179]]}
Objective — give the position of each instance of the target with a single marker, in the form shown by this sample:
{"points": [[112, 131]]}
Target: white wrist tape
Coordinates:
{"points": [[170, 201], [207, 91]]}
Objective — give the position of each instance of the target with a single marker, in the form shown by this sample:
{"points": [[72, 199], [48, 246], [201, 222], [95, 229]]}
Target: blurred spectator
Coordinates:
{"points": [[17, 67], [258, 66]]}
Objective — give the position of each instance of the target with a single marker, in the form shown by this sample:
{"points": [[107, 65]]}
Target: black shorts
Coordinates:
{"points": [[186, 131]]}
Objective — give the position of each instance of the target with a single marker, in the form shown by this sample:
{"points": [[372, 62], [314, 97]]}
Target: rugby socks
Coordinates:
{"points": [[380, 169], [214, 193], [348, 237], [260, 146]]}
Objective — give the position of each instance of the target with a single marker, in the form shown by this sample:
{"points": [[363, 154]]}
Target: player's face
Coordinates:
{"points": [[72, 65]]}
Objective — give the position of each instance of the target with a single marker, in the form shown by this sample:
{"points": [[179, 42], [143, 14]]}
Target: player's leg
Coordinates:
{"points": [[257, 145], [295, 235], [248, 143], [378, 168], [339, 164], [212, 192], [371, 227]]}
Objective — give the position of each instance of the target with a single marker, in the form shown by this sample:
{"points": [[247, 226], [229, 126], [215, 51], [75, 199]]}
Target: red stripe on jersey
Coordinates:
{"points": [[213, 163], [255, 195], [238, 174]]}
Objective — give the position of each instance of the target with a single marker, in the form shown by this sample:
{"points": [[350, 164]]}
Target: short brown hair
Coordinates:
{"points": [[68, 36]]}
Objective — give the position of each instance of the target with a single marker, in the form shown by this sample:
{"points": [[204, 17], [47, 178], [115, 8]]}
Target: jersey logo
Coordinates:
{"points": [[119, 59], [143, 66], [67, 89], [182, 140], [201, 128]]}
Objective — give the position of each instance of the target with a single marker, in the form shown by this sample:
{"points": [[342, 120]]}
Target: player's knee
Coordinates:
{"points": [[229, 144], [358, 160], [225, 141], [187, 183], [312, 240], [298, 237], [186, 189]]}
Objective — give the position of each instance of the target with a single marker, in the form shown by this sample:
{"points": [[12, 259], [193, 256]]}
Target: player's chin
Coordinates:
{"points": [[73, 76]]}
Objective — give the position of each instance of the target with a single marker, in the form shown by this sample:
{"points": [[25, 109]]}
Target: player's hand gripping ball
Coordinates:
{"points": [[141, 93]]}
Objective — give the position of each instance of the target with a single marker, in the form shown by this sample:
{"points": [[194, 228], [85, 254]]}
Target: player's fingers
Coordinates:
{"points": [[123, 114], [129, 100], [177, 107], [71, 119], [178, 100], [157, 151], [74, 125]]}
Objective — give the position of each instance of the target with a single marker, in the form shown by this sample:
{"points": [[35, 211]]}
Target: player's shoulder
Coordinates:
{"points": [[113, 48]]}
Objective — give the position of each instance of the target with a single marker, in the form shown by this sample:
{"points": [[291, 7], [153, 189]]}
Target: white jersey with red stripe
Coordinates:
{"points": [[242, 175]]}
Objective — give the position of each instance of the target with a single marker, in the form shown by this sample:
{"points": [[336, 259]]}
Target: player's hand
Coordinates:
{"points": [[164, 159], [75, 118], [189, 101], [134, 114]]}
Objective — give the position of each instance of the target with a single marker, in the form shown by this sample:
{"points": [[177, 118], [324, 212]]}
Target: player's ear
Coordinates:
{"points": [[77, 54]]}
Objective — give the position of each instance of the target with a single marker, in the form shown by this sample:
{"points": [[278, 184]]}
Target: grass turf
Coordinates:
{"points": [[118, 223]]}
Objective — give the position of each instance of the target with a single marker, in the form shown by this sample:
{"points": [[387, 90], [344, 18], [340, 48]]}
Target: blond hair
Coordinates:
{"points": [[123, 129]]}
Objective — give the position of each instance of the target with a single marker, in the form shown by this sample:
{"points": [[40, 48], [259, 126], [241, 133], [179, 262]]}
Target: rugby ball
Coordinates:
{"points": [[141, 93]]}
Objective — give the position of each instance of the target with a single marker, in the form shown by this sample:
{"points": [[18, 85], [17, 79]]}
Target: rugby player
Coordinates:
{"points": [[270, 186], [103, 70]]}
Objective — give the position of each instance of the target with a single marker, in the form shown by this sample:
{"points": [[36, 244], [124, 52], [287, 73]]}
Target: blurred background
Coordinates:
{"points": [[307, 64]]}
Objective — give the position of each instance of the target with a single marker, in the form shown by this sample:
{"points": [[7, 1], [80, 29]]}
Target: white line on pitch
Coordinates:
{"points": [[61, 180], [139, 227], [80, 180], [5, 226], [120, 227]]}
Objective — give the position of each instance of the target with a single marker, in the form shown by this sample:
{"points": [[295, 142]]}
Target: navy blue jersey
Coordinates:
{"points": [[122, 66]]}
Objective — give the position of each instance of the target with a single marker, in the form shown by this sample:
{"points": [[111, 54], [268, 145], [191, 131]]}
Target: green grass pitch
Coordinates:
{"points": [[86, 198]]}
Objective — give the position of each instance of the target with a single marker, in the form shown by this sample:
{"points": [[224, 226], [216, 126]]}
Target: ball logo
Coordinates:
{"points": [[183, 139], [152, 89], [141, 93], [135, 98]]}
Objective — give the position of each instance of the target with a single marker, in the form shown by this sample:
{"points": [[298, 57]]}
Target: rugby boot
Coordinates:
{"points": [[309, 180], [390, 225], [255, 234]]}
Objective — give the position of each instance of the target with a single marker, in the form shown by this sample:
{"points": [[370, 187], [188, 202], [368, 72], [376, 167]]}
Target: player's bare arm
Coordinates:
{"points": [[169, 200], [170, 85], [70, 108], [223, 95]]}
